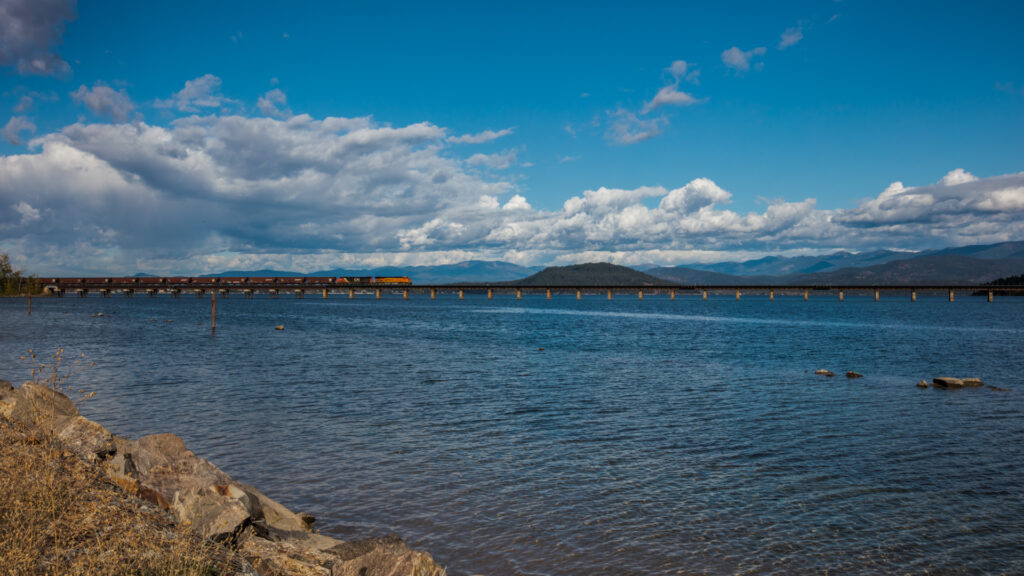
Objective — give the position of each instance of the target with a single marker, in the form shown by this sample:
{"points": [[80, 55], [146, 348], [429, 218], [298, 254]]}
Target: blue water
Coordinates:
{"points": [[653, 437]]}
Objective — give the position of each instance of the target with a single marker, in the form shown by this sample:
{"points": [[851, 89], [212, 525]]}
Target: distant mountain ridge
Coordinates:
{"points": [[592, 274]]}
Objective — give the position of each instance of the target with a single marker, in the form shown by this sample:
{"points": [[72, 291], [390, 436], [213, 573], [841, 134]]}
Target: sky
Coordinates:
{"points": [[194, 137]]}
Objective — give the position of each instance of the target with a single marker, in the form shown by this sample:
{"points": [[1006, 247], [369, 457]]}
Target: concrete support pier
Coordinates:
{"points": [[490, 294], [579, 294], [672, 294], [379, 293], [405, 294], [273, 292], [913, 295], [840, 295], [519, 293], [462, 293], [548, 294], [737, 294], [951, 297], [151, 292], [199, 292], [805, 295], [704, 295], [876, 295], [105, 292], [325, 293], [433, 293], [609, 293], [990, 296], [771, 295], [639, 294], [248, 293], [351, 293], [300, 293]]}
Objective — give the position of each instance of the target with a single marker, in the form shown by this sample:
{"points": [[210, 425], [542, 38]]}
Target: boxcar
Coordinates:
{"points": [[319, 279], [392, 280], [355, 279]]}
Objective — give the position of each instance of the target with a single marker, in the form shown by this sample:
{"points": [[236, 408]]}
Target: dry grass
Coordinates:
{"points": [[61, 515]]}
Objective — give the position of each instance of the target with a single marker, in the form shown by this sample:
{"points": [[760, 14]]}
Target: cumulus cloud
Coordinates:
{"points": [[104, 101], [202, 92], [274, 103], [15, 126], [739, 60], [627, 127], [790, 37], [669, 96], [30, 31], [210, 192], [480, 138]]}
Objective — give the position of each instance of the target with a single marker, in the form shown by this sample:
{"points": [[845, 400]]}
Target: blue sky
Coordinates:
{"points": [[190, 137]]}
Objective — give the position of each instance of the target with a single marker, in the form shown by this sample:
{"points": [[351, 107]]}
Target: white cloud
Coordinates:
{"points": [[500, 161], [274, 103], [30, 31], [790, 37], [678, 69], [669, 96], [28, 213], [516, 202], [739, 60], [202, 92], [104, 101], [627, 128], [15, 126], [480, 138]]}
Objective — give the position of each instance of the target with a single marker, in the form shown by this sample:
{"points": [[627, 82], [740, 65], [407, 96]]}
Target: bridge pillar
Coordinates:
{"points": [[433, 293], [129, 292], [519, 293], [462, 293], [248, 293], [490, 293], [405, 294], [300, 293], [151, 292], [990, 296], [805, 294], [951, 295], [105, 292], [771, 295], [737, 294], [548, 294], [840, 295], [672, 294], [224, 292], [703, 294], [379, 293], [876, 294], [325, 293], [640, 294], [351, 293], [273, 292], [176, 292], [82, 292], [579, 294], [199, 292], [913, 295], [609, 293]]}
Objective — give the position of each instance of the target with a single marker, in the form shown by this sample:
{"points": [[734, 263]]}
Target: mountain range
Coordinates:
{"points": [[958, 265]]}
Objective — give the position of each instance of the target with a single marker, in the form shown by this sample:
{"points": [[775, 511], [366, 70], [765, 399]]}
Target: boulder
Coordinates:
{"points": [[387, 556], [167, 466], [997, 388], [87, 438], [852, 374], [922, 383], [215, 516], [38, 405], [824, 372], [971, 382], [947, 382], [275, 515]]}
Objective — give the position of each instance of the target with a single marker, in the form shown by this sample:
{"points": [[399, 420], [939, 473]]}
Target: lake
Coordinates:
{"points": [[578, 437]]}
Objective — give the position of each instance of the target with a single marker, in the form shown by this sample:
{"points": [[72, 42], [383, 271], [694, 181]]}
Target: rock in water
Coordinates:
{"points": [[971, 382], [922, 383], [279, 327], [852, 374], [824, 372], [947, 382]]}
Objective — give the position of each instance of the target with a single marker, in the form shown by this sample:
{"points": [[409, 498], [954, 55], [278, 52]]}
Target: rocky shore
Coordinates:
{"points": [[175, 488]]}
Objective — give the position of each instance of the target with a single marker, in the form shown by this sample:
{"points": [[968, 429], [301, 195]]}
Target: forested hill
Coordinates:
{"points": [[594, 274]]}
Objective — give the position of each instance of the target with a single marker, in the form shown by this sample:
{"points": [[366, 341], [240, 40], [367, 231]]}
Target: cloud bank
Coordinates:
{"points": [[214, 191], [30, 31]]}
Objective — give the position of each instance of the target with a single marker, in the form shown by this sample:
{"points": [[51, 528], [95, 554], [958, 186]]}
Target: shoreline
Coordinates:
{"points": [[189, 491]]}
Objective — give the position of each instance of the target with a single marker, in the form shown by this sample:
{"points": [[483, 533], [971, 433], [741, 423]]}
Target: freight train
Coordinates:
{"points": [[155, 282]]}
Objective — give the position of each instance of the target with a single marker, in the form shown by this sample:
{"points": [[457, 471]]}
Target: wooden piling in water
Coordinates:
{"points": [[30, 303]]}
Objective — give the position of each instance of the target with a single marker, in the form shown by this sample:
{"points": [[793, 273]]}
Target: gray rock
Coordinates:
{"points": [[38, 405], [922, 383], [971, 382], [824, 372], [215, 516], [166, 465], [947, 382], [852, 374]]}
